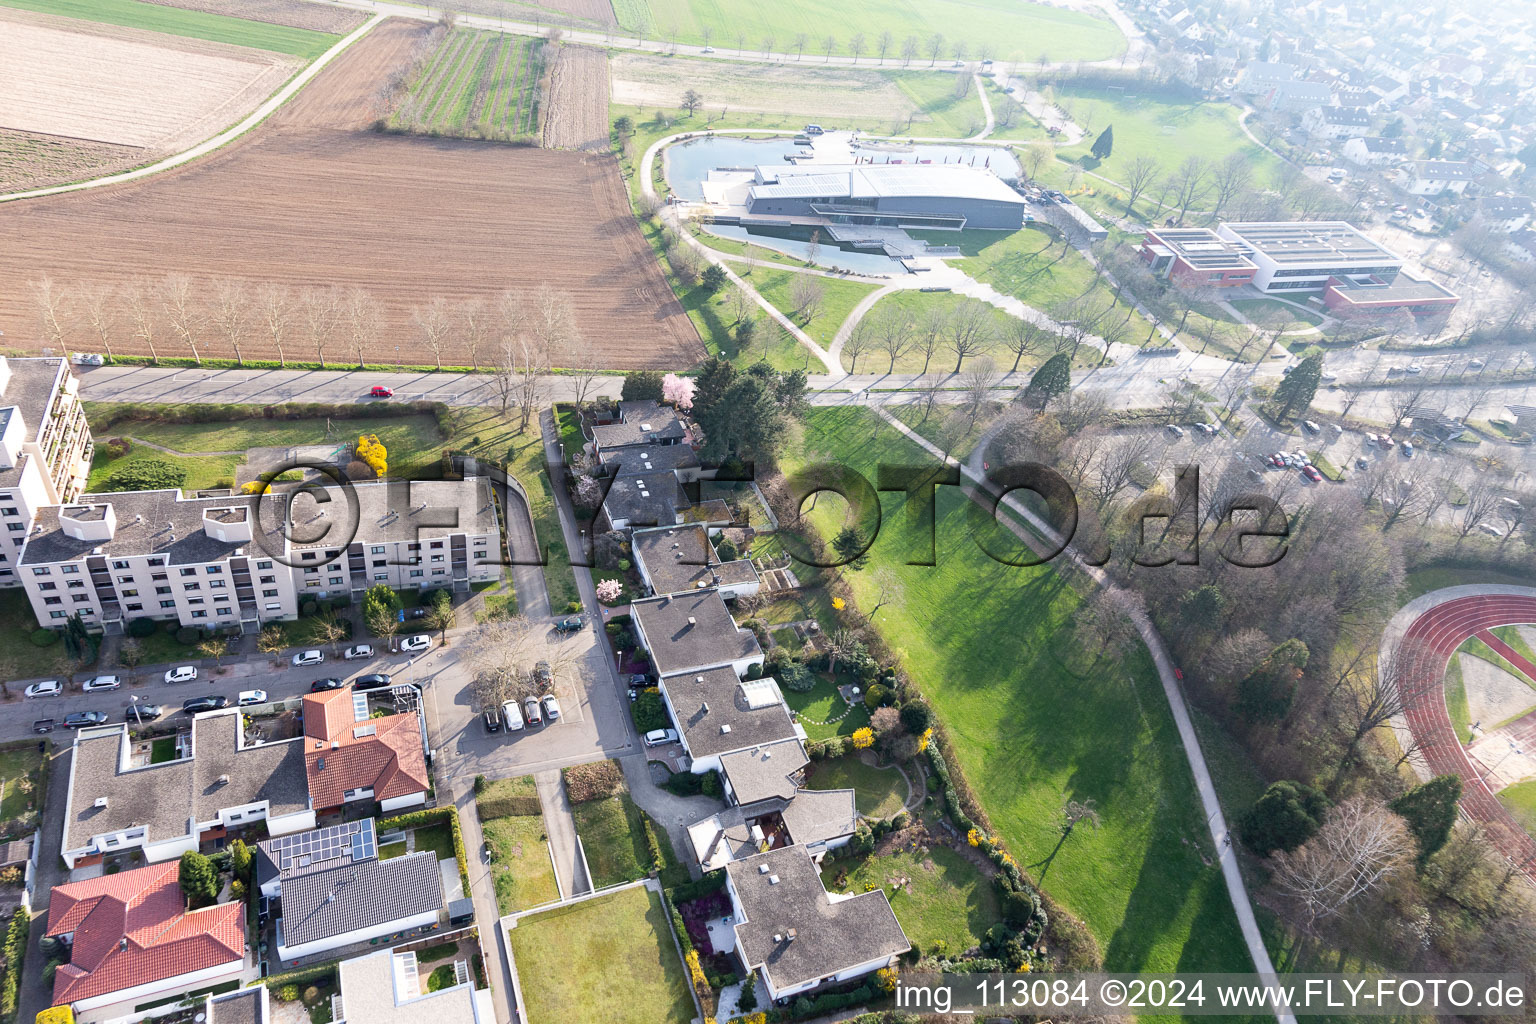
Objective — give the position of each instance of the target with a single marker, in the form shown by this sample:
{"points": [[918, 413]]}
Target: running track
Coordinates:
{"points": [[1441, 629]]}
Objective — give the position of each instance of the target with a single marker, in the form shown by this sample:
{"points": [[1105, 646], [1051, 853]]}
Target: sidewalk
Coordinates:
{"points": [[560, 823]]}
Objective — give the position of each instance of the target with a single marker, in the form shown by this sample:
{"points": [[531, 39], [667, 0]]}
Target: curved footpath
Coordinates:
{"points": [[973, 473], [225, 137], [1442, 621]]}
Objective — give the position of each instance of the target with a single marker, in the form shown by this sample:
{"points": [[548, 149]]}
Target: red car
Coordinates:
{"points": [[1311, 473], [380, 391]]}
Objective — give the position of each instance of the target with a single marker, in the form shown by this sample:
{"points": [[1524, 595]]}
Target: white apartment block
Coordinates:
{"points": [[45, 449], [243, 560]]}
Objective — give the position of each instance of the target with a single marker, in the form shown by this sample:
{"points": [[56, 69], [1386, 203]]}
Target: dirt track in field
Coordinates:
{"points": [[576, 112], [304, 201]]}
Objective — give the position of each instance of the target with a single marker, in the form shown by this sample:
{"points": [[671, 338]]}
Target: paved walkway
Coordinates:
{"points": [[1043, 539], [483, 891], [560, 823]]}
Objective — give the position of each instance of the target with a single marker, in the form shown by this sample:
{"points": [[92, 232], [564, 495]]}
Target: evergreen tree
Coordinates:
{"points": [[1430, 811], [199, 881], [743, 413], [1054, 377], [640, 386], [714, 278], [1104, 145], [1299, 387], [1267, 693], [240, 860], [849, 545], [1287, 815]]}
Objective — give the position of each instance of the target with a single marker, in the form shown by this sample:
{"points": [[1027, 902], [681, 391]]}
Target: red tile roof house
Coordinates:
{"points": [[131, 939], [349, 756]]}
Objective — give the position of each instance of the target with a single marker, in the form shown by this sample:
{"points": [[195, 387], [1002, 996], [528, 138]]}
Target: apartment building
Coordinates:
{"points": [[45, 449], [240, 560]]}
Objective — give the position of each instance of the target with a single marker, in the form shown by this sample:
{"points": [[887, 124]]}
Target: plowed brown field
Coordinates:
{"points": [[309, 200], [576, 113]]}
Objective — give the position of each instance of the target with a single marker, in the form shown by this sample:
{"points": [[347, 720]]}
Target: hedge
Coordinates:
{"points": [[15, 956], [584, 782], [701, 886], [300, 976], [108, 414], [508, 807], [432, 816]]}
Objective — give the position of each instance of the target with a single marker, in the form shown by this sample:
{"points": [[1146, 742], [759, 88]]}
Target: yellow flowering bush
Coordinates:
{"points": [[863, 738], [885, 979]]}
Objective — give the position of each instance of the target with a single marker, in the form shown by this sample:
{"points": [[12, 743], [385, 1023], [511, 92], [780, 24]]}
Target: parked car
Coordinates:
{"points": [[140, 712], [46, 688], [321, 685], [1311, 473], [304, 658], [1175, 430], [1490, 529], [543, 675], [492, 721], [418, 612], [657, 737], [551, 707], [1407, 449], [639, 680], [512, 716], [1362, 463], [1209, 429], [372, 681], [418, 642], [1387, 442], [1476, 364], [1415, 368], [249, 697], [84, 719], [1277, 460], [357, 651], [1311, 426], [102, 683], [570, 625], [1302, 458], [43, 725], [380, 391], [196, 705], [181, 674], [531, 712]]}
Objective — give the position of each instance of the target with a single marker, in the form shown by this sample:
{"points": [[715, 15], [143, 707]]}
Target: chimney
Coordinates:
{"points": [[704, 708], [101, 801], [692, 621], [726, 728], [223, 780], [791, 935]]}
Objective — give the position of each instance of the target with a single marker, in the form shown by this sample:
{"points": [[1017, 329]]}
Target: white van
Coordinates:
{"points": [[513, 717]]}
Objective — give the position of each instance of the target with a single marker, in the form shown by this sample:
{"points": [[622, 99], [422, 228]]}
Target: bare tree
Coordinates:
{"points": [[971, 329], [979, 380], [48, 300], [1482, 503], [274, 308], [1406, 402], [181, 313], [1117, 465], [806, 293], [856, 46], [893, 336], [138, 297], [800, 42], [473, 327], [930, 332], [883, 45], [322, 309], [1360, 847], [523, 355], [935, 44], [1034, 157], [435, 325], [1075, 813], [232, 312], [859, 341], [1191, 183], [828, 44], [692, 101], [1370, 700], [98, 306], [742, 305], [909, 47], [1229, 179], [1139, 175], [364, 321]]}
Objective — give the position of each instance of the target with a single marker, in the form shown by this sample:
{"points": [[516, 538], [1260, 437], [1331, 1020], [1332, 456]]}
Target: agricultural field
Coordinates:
{"points": [[996, 28], [193, 24], [576, 112], [585, 14], [1033, 726], [786, 96], [125, 87], [31, 160], [483, 219], [290, 13], [482, 85]]}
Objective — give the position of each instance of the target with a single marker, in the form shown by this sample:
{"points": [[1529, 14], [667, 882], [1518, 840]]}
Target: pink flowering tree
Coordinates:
{"points": [[678, 390], [608, 591]]}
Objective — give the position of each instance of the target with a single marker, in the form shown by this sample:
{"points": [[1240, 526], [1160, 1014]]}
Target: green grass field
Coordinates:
{"points": [[1030, 734], [838, 299], [917, 305], [476, 85], [521, 870], [613, 839], [1520, 800], [1288, 317], [1456, 700], [820, 703], [1168, 132], [177, 21], [609, 960], [994, 28], [19, 657], [20, 773], [937, 894], [877, 792]]}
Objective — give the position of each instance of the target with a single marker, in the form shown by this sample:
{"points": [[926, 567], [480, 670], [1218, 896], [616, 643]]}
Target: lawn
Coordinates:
{"points": [[178, 21], [203, 472], [917, 306], [1031, 734], [1456, 700], [1475, 647], [1424, 581], [819, 704], [613, 839], [400, 434], [609, 960], [998, 28], [1284, 316], [393, 850], [1511, 635], [838, 299], [521, 869], [1520, 800], [20, 772], [1024, 129], [937, 894], [1167, 131], [877, 792], [436, 838], [20, 658], [1035, 267]]}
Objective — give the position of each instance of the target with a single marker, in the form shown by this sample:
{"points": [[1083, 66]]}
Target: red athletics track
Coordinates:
{"points": [[1442, 629]]}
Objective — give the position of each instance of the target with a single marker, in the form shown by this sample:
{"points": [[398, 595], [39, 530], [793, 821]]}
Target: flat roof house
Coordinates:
{"points": [[358, 901], [166, 809], [1197, 258], [644, 500], [693, 631], [1293, 256], [718, 713], [349, 756], [131, 939], [917, 195], [798, 936], [647, 424], [389, 988], [681, 558]]}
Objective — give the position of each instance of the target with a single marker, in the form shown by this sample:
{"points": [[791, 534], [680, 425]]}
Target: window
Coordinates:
{"points": [[16, 527], [86, 611], [269, 579], [415, 573], [413, 547], [438, 572], [336, 581], [135, 607], [381, 576], [76, 584], [311, 569], [193, 586], [481, 554], [131, 593], [215, 584], [9, 511], [155, 561], [162, 590], [55, 615], [167, 604], [437, 558], [274, 606], [265, 563], [125, 579], [78, 598], [53, 600], [379, 563], [269, 593], [377, 549], [47, 586], [43, 571], [158, 576], [199, 615], [196, 600], [221, 599], [119, 565], [189, 572], [215, 568], [437, 544], [68, 569], [308, 556], [480, 541], [312, 583], [224, 611]]}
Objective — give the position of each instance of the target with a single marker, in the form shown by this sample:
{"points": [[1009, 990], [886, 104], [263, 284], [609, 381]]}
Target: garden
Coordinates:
{"points": [[21, 783], [944, 901], [607, 960], [611, 828], [512, 820], [877, 792]]}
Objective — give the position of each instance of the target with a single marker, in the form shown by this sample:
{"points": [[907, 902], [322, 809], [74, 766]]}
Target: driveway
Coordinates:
{"points": [[560, 824]]}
